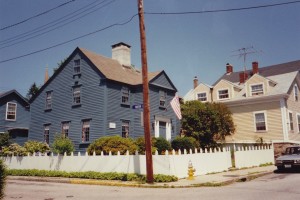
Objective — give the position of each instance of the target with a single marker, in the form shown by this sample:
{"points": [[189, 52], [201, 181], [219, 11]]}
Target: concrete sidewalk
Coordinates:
{"points": [[208, 180]]}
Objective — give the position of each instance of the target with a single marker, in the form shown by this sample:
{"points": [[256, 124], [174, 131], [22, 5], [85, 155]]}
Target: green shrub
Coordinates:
{"points": [[62, 145], [36, 146], [185, 143], [140, 142], [14, 149], [90, 175], [161, 144], [2, 178], [113, 144], [4, 140]]}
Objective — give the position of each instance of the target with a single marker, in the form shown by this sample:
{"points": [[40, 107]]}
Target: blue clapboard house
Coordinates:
{"points": [[91, 96], [14, 116]]}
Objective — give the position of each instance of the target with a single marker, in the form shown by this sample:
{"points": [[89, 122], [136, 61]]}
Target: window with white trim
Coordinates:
{"points": [[85, 137], [48, 104], [125, 95], [260, 121], [125, 128], [223, 94], [11, 111], [257, 89], [46, 133], [162, 98], [76, 96], [65, 129], [291, 127], [296, 93], [298, 122], [77, 66], [202, 96]]}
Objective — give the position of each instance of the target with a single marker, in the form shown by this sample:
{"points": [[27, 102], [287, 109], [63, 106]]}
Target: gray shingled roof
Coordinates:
{"points": [[268, 71]]}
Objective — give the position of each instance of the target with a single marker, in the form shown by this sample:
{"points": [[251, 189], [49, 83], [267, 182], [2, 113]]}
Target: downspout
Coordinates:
{"points": [[284, 119]]}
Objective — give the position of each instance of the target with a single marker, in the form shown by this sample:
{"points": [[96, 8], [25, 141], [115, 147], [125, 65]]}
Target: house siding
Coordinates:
{"points": [[244, 121], [21, 123], [100, 104], [293, 107]]}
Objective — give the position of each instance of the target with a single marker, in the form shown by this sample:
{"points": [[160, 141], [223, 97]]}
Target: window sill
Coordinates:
{"points": [[261, 131], [125, 105], [78, 74], [162, 108], [48, 109], [76, 105]]}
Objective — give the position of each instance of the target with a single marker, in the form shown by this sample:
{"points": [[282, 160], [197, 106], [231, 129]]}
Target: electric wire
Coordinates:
{"points": [[42, 31], [220, 10], [35, 16], [149, 13], [71, 40]]}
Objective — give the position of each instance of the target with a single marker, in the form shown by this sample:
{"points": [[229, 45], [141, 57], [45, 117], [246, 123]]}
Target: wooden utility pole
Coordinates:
{"points": [[146, 105]]}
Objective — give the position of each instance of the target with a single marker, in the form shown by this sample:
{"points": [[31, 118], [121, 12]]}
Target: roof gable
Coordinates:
{"points": [[23, 101], [161, 79]]}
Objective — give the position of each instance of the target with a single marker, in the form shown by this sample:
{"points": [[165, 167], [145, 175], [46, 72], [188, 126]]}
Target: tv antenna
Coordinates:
{"points": [[243, 52]]}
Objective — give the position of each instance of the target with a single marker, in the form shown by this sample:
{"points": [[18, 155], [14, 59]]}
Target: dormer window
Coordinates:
{"points": [[11, 111], [296, 93], [223, 94], [202, 96], [257, 90], [77, 66]]}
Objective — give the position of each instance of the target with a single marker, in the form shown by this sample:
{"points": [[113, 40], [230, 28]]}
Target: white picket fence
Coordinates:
{"points": [[208, 161]]}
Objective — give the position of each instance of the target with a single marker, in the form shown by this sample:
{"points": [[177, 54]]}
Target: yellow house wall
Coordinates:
{"points": [[294, 107], [202, 88], [243, 117]]}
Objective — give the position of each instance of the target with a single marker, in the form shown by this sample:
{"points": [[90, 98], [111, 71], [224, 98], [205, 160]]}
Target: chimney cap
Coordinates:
{"points": [[120, 44]]}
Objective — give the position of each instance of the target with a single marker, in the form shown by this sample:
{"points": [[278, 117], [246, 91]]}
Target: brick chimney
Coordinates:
{"points": [[243, 77], [229, 68], [195, 82], [121, 53], [255, 67]]}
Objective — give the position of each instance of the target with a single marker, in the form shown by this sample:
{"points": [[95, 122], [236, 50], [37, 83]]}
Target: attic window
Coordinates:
{"points": [[223, 94], [202, 97], [125, 95], [11, 111], [77, 66], [162, 99], [257, 89]]}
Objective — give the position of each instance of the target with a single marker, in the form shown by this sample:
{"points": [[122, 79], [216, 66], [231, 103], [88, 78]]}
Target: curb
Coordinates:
{"points": [[244, 178]]}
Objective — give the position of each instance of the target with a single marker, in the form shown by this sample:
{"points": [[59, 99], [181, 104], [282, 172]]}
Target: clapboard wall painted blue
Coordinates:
{"points": [[101, 82]]}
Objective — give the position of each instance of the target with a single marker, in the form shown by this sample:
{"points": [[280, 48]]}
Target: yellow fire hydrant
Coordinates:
{"points": [[191, 171]]}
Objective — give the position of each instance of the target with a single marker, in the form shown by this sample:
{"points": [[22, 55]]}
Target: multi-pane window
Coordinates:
{"points": [[257, 89], [162, 98], [202, 96], [76, 95], [296, 92], [11, 111], [223, 94], [48, 104], [85, 137], [77, 66], [291, 121], [46, 133], [65, 129], [125, 129], [260, 121], [125, 95]]}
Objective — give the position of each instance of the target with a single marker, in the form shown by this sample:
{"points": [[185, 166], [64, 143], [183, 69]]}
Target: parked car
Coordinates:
{"points": [[290, 159]]}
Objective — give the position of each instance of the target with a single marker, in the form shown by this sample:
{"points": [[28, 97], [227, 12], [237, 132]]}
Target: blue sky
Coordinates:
{"points": [[183, 45]]}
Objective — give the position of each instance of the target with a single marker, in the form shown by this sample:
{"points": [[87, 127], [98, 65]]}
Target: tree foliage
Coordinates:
{"points": [[62, 145], [14, 149], [185, 143], [4, 140], [33, 146], [2, 178], [32, 91], [113, 144], [208, 123]]}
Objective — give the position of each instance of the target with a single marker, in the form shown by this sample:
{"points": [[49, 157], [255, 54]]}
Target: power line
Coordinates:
{"points": [[35, 16], [220, 10], [68, 41], [57, 27]]}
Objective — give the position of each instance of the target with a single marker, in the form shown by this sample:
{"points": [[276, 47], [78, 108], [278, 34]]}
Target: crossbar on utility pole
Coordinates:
{"points": [[146, 105]]}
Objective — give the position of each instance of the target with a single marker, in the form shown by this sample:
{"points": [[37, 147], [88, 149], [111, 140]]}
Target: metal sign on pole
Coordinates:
{"points": [[146, 104]]}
